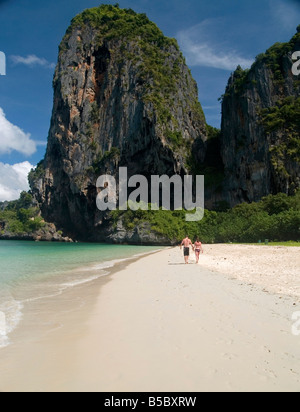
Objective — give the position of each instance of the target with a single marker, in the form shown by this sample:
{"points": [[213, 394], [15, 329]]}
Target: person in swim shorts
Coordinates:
{"points": [[198, 249], [186, 243]]}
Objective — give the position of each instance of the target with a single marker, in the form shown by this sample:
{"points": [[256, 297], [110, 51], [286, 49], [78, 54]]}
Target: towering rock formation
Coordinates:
{"points": [[261, 127], [123, 96]]}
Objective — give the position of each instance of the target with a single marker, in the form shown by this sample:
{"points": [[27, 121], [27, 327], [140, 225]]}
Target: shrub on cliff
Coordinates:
{"points": [[275, 217], [21, 216]]}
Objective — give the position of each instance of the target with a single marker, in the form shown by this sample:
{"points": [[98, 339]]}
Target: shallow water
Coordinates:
{"points": [[32, 271]]}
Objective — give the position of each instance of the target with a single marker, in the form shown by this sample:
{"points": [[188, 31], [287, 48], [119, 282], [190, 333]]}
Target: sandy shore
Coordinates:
{"points": [[275, 268], [159, 325]]}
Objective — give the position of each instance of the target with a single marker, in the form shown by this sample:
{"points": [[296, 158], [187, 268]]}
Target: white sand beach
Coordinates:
{"points": [[160, 325], [275, 268]]}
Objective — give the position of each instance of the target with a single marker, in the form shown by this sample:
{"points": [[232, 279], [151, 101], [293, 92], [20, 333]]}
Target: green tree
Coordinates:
{"points": [[274, 205]]}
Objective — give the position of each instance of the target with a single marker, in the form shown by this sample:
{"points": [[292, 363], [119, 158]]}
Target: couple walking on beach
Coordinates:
{"points": [[197, 248]]}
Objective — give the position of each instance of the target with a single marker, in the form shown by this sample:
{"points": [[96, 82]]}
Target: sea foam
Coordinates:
{"points": [[10, 317]]}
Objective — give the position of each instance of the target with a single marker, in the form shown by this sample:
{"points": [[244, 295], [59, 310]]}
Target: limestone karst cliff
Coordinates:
{"points": [[123, 96], [260, 139]]}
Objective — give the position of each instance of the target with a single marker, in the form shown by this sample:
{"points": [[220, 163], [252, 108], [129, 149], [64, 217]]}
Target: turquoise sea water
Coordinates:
{"points": [[36, 270]]}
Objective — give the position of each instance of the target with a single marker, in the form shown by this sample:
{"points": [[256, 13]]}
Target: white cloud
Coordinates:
{"points": [[32, 60], [13, 180], [14, 138], [203, 48]]}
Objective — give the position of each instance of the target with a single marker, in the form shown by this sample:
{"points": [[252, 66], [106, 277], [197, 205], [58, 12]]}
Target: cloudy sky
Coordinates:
{"points": [[215, 36]]}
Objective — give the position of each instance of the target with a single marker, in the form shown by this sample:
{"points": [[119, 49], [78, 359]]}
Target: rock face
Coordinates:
{"points": [[141, 234], [123, 96], [260, 127]]}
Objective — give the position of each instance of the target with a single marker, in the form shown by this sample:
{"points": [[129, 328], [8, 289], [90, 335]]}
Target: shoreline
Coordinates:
{"points": [[51, 319], [154, 324], [15, 299]]}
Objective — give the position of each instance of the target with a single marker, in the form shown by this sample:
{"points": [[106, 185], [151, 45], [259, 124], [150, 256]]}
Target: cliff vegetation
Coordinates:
{"points": [[275, 218]]}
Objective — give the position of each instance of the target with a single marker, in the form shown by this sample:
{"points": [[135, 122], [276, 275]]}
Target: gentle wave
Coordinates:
{"points": [[82, 281], [112, 263], [10, 316], [11, 309]]}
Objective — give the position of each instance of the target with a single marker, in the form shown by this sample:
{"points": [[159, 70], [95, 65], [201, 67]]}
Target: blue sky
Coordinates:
{"points": [[215, 36]]}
